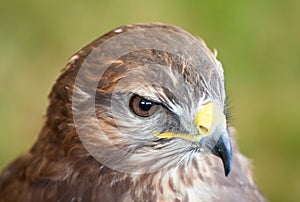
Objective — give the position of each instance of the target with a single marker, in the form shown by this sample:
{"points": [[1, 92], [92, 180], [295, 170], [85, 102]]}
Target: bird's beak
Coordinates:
{"points": [[223, 150], [210, 120], [212, 133]]}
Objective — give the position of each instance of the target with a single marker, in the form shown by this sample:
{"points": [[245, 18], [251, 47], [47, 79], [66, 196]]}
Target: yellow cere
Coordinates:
{"points": [[206, 119]]}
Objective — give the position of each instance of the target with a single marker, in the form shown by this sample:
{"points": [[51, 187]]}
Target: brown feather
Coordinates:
{"points": [[59, 168]]}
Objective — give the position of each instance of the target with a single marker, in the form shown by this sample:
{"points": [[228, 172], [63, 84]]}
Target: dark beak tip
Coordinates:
{"points": [[227, 164], [224, 151], [227, 168]]}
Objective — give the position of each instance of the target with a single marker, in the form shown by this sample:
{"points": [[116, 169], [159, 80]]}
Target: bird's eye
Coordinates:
{"points": [[142, 107]]}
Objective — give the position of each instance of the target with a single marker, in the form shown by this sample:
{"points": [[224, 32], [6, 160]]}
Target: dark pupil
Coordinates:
{"points": [[145, 105]]}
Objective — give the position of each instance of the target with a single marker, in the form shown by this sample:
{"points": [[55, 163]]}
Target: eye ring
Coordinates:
{"points": [[142, 107]]}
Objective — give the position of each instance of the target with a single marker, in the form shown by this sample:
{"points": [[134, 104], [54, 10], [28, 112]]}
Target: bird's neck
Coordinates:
{"points": [[183, 183]]}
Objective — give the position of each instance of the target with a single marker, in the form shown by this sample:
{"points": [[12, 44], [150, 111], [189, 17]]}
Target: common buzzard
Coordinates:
{"points": [[139, 114]]}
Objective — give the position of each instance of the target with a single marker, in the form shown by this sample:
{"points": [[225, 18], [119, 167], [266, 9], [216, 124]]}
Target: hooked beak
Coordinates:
{"points": [[223, 150], [211, 121]]}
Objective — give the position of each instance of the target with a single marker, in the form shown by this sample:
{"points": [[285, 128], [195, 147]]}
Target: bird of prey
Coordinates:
{"points": [[139, 114]]}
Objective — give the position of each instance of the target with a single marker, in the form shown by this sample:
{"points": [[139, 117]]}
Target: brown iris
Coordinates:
{"points": [[142, 107]]}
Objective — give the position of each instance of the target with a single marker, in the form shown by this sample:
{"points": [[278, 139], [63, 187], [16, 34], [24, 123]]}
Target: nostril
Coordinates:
{"points": [[203, 130]]}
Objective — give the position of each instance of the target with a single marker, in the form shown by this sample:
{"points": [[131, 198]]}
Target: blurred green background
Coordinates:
{"points": [[258, 43]]}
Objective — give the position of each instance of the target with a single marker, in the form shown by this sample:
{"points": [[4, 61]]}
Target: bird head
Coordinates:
{"points": [[149, 97]]}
